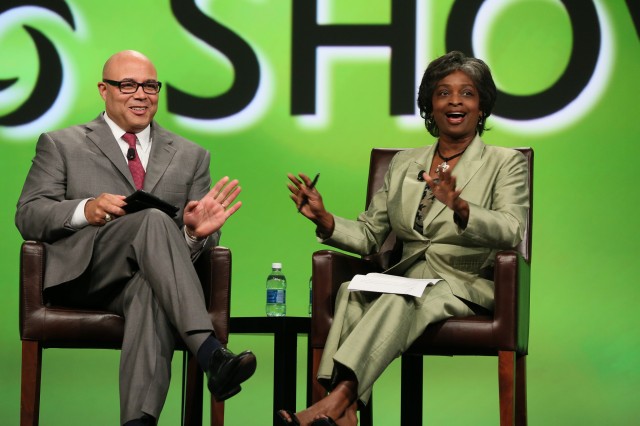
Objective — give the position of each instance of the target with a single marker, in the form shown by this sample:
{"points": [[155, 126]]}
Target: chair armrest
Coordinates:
{"points": [[512, 290], [329, 270], [32, 261], [214, 271]]}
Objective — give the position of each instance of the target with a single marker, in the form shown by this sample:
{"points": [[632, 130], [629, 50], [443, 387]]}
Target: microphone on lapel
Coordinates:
{"points": [[420, 177], [131, 154]]}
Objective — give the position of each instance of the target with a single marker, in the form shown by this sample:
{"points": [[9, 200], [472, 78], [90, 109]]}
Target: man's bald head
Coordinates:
{"points": [[132, 112]]}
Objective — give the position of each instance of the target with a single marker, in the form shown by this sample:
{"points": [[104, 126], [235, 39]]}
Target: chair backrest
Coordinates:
{"points": [[392, 249]]}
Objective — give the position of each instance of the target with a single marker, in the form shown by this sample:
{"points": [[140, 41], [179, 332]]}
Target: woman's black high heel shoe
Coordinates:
{"points": [[325, 421]]}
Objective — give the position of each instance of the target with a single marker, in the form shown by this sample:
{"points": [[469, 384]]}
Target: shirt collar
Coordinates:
{"points": [[144, 137]]}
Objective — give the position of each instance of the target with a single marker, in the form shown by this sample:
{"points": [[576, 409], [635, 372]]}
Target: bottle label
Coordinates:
{"points": [[276, 296]]}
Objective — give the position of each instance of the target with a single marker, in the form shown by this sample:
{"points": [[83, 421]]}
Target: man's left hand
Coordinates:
{"points": [[203, 218]]}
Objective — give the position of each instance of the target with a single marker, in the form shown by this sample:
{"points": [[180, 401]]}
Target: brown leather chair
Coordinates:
{"points": [[503, 333], [44, 326]]}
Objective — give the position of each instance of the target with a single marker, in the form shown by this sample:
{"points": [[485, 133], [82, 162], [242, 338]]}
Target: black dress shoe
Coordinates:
{"points": [[226, 371]]}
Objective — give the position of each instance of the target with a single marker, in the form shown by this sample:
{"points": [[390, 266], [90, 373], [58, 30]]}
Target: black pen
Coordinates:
{"points": [[305, 200]]}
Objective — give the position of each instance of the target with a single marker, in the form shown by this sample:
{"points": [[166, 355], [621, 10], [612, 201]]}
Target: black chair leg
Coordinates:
{"points": [[192, 393], [411, 390], [366, 413]]}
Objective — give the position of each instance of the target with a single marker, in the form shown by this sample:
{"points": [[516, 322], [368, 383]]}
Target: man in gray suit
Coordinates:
{"points": [[137, 264]]}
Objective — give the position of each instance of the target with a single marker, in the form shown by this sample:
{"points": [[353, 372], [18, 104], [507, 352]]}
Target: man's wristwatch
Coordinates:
{"points": [[192, 237]]}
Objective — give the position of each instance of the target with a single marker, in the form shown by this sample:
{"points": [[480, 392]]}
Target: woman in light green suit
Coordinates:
{"points": [[453, 204]]}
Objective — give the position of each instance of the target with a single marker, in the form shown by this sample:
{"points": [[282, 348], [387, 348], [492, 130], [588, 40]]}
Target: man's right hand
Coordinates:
{"points": [[313, 209], [104, 208]]}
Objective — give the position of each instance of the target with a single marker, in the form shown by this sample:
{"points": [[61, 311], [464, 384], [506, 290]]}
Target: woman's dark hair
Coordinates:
{"points": [[439, 68]]}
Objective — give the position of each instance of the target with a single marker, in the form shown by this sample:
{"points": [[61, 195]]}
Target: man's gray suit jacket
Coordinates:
{"points": [[84, 161]]}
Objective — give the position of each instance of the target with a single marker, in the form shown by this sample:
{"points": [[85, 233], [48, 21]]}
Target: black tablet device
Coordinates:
{"points": [[141, 200]]}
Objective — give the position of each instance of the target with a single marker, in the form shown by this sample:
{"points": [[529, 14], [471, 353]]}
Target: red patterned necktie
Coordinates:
{"points": [[135, 165]]}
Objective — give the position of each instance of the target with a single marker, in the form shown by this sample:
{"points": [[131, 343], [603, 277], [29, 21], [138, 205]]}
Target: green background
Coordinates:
{"points": [[584, 341]]}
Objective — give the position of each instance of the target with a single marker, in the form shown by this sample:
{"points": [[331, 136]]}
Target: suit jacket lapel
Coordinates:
{"points": [[101, 136], [437, 206], [467, 166], [162, 152], [469, 163]]}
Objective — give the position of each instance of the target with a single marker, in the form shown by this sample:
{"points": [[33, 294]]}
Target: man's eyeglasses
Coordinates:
{"points": [[130, 86]]}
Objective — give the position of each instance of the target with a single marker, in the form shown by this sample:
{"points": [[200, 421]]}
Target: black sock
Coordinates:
{"points": [[145, 420], [205, 351]]}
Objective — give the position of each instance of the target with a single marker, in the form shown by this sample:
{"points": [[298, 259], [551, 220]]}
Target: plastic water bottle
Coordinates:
{"points": [[310, 294], [276, 292]]}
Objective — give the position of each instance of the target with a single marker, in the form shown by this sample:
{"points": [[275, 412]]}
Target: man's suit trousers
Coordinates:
{"points": [[141, 268]]}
